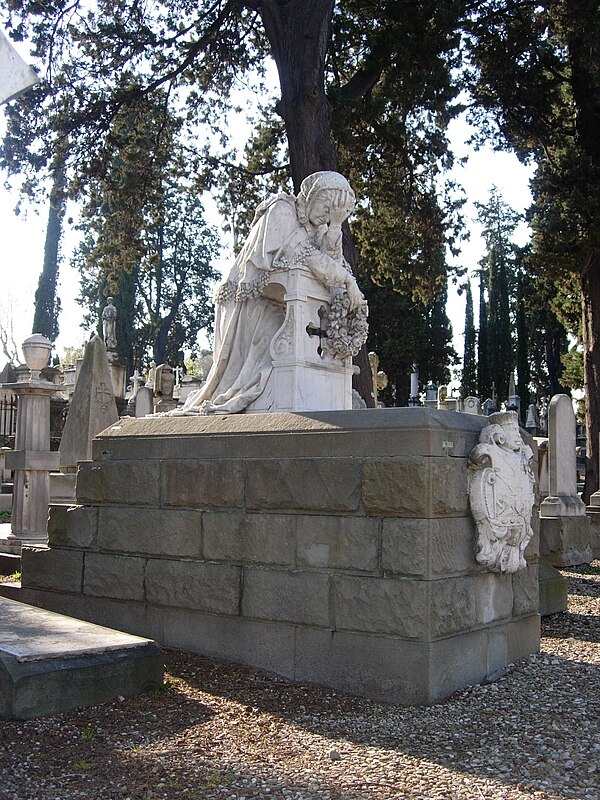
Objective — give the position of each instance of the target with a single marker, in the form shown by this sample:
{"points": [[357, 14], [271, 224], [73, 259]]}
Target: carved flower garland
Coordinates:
{"points": [[345, 331]]}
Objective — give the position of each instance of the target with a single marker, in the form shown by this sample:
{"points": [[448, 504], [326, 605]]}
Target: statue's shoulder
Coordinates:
{"points": [[276, 202]]}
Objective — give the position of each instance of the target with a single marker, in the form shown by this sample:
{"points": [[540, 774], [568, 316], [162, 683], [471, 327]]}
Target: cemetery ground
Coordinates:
{"points": [[221, 731]]}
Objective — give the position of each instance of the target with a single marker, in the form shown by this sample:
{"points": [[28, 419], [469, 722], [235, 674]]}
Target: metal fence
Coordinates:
{"points": [[8, 421]]}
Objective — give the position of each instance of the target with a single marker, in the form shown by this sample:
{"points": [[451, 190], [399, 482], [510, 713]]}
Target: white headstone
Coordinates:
{"points": [[144, 401], [562, 500]]}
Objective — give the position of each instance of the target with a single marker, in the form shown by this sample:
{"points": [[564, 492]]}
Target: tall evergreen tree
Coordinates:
{"points": [[536, 76], [47, 303], [469, 370], [484, 379]]}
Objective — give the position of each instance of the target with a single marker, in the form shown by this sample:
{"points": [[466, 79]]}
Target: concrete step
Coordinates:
{"points": [[50, 663]]}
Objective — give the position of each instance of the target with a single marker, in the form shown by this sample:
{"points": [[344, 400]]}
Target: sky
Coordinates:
{"points": [[23, 242]]}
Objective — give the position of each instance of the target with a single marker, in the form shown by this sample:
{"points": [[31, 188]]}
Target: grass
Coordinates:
{"points": [[5, 515], [81, 765]]}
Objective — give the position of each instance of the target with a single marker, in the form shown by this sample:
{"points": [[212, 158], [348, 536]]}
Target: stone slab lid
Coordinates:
{"points": [[331, 433], [32, 634]]}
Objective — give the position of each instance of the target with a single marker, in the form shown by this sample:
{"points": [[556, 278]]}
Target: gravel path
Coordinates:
{"points": [[218, 731]]}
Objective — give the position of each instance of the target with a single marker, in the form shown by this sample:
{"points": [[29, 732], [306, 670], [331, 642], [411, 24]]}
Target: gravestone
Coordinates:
{"points": [[144, 402], [92, 409], [50, 663], [564, 526]]}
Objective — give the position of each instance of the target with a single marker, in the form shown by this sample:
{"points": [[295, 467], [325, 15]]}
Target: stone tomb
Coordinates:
{"points": [[335, 548]]}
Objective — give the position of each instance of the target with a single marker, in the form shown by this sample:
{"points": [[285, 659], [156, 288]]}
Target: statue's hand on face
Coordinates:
{"points": [[341, 206], [331, 208]]}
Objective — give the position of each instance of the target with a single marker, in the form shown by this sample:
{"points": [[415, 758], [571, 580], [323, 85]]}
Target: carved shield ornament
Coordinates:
{"points": [[501, 494]]}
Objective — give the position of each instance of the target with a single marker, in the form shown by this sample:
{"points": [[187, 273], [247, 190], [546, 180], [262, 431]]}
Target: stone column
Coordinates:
{"points": [[564, 528], [32, 459]]}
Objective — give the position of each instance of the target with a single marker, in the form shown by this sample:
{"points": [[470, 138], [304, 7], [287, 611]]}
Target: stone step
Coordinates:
{"points": [[9, 563], [50, 663]]}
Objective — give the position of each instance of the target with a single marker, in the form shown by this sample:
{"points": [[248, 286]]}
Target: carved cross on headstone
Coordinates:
{"points": [[103, 396]]}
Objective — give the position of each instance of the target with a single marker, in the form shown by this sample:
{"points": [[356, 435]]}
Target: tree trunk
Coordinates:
{"points": [[298, 32], [590, 307]]}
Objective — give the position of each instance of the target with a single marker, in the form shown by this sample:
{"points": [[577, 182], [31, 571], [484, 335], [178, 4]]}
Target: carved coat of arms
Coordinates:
{"points": [[501, 494]]}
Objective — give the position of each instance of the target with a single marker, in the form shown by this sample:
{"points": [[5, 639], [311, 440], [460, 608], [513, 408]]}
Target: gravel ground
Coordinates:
{"points": [[221, 731]]}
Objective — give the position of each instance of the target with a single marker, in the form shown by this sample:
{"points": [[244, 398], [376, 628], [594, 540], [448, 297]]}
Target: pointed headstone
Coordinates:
{"points": [[92, 409]]}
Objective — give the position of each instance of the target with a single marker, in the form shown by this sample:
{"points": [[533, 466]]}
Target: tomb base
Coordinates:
{"points": [[553, 589], [565, 541], [334, 548]]}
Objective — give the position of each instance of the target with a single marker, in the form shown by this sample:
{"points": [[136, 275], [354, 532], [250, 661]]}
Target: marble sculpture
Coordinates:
{"points": [[501, 494], [257, 313]]}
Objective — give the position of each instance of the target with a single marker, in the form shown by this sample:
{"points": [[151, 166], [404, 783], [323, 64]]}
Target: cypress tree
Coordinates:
{"points": [[469, 372], [484, 381]]}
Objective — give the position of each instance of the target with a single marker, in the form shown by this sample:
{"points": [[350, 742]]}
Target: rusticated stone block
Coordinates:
{"points": [[202, 484], [249, 538], [405, 546], [301, 597], [452, 546], [116, 482], [72, 527], [304, 484], [121, 577], [381, 605], [175, 533], [397, 487], [526, 594], [565, 541], [449, 487], [51, 568], [458, 604], [193, 584], [338, 542]]}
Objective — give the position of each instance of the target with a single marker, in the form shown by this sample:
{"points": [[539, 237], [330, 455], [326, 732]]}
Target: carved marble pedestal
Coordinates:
{"points": [[306, 376]]}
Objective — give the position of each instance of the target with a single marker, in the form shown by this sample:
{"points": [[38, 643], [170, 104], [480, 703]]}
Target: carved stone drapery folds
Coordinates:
{"points": [[501, 494]]}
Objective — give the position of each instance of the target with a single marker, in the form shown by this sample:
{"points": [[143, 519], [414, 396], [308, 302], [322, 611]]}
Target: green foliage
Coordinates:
{"points": [[71, 354], [572, 363]]}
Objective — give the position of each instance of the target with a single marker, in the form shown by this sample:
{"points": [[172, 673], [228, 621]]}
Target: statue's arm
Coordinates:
{"points": [[334, 274]]}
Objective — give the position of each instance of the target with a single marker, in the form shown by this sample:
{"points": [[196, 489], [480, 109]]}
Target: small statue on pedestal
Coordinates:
{"points": [[109, 321]]}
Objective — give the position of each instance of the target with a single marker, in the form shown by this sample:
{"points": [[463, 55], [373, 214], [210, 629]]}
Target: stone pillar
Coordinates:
{"points": [[31, 459], [564, 527]]}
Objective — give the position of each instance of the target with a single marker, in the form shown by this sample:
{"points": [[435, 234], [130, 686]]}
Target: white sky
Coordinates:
{"points": [[23, 242]]}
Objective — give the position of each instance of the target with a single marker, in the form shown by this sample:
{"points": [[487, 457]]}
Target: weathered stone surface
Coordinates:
{"points": [[553, 589], [76, 526], [52, 568], [92, 408], [301, 597], [397, 487], [526, 594], [449, 487], [381, 605], [458, 604], [350, 543], [116, 482], [304, 484], [453, 606], [175, 532], [202, 484], [452, 546], [121, 577], [565, 541], [523, 637], [249, 538], [381, 668], [405, 546], [193, 584]]}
